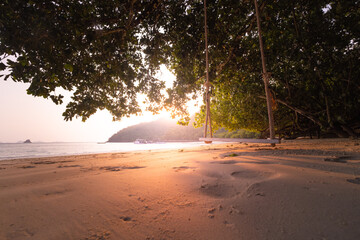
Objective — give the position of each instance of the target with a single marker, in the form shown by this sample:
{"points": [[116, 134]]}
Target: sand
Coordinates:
{"points": [[301, 189]]}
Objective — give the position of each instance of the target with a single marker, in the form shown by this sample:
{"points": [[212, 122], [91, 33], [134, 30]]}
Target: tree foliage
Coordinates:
{"points": [[312, 50], [106, 52], [96, 49]]}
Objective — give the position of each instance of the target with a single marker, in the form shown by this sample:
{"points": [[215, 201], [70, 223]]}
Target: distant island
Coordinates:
{"points": [[160, 130], [169, 130], [27, 141]]}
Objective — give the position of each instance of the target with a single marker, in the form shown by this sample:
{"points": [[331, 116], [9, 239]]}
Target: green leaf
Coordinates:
{"points": [[2, 66], [68, 67]]}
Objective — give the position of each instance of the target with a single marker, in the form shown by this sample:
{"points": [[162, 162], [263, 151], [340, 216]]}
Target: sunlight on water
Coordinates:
{"points": [[20, 150]]}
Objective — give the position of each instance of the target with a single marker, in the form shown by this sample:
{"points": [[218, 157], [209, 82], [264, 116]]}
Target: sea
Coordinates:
{"points": [[35, 150]]}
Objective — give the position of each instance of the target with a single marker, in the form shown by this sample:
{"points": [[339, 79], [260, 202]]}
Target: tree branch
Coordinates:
{"points": [[103, 33], [298, 110]]}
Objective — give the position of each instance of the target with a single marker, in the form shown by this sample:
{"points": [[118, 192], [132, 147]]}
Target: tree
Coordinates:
{"points": [[312, 49], [108, 51], [102, 51]]}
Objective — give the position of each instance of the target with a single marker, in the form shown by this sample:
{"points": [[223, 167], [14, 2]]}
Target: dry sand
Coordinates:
{"points": [[302, 189]]}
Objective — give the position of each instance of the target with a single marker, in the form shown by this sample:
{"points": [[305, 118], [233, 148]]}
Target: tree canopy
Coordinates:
{"points": [[99, 50], [106, 52]]}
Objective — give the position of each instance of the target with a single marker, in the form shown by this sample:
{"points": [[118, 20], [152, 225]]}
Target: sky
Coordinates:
{"points": [[24, 117]]}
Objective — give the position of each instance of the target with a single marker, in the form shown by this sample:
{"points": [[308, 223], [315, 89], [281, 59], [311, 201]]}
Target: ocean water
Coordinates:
{"points": [[31, 150]]}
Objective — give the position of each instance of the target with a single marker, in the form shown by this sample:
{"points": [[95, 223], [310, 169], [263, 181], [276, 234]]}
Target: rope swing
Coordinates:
{"points": [[207, 83], [265, 76]]}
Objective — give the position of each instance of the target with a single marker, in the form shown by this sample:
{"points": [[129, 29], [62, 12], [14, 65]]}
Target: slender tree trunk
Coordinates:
{"points": [[328, 112]]}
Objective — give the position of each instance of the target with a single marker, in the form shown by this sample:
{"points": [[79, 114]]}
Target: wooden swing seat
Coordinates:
{"points": [[244, 140]]}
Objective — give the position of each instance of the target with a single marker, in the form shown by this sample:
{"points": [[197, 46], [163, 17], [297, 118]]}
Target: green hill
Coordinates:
{"points": [[169, 130], [160, 130]]}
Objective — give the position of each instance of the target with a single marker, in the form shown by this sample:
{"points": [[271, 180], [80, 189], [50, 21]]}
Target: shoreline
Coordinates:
{"points": [[302, 140], [301, 189], [137, 147]]}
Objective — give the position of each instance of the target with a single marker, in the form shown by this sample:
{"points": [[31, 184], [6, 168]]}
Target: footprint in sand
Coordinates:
{"points": [[67, 166], [211, 210], [250, 174], [217, 190], [182, 168], [255, 190], [355, 180], [125, 218], [44, 162], [54, 194], [119, 168], [100, 235], [336, 159], [21, 234], [29, 166], [133, 167], [229, 225], [114, 169], [226, 162]]}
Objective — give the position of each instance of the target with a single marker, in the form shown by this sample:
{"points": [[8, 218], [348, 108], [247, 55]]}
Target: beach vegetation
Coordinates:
{"points": [[107, 52]]}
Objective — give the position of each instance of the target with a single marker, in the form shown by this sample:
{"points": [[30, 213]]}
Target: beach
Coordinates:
{"points": [[299, 189]]}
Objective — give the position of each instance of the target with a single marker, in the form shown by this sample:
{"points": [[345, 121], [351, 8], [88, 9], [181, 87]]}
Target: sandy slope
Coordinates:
{"points": [[303, 189]]}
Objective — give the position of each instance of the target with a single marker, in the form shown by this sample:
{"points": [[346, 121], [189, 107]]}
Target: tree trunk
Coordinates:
{"points": [[349, 131]]}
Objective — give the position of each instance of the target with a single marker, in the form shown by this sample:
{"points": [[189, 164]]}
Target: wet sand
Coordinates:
{"points": [[301, 189]]}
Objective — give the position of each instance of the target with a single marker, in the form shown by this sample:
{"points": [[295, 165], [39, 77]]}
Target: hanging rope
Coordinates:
{"points": [[207, 83], [265, 76]]}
